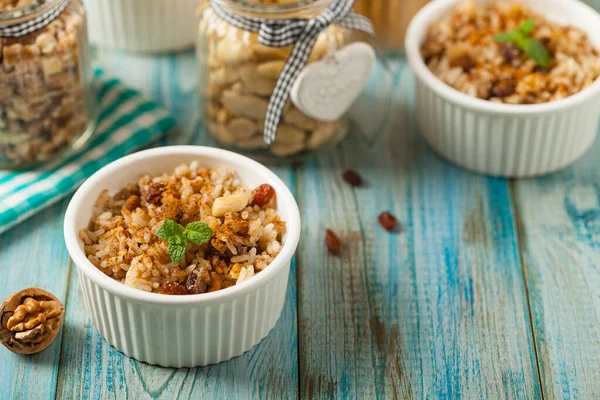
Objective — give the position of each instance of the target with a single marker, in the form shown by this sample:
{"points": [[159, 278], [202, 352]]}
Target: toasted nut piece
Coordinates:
{"points": [[271, 69], [242, 128], [300, 120], [287, 134], [46, 42], [233, 203], [30, 320], [244, 105]]}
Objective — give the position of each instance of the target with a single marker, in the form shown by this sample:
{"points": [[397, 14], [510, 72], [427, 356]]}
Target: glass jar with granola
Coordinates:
{"points": [[46, 101], [238, 75]]}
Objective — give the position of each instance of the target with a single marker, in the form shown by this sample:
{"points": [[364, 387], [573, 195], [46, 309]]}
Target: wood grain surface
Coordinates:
{"points": [[491, 288]]}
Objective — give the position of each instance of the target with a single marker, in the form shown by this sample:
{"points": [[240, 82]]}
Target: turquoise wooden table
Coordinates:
{"points": [[491, 290]]}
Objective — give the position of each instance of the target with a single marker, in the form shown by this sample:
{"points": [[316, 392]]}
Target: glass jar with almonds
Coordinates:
{"points": [[46, 101], [238, 75]]}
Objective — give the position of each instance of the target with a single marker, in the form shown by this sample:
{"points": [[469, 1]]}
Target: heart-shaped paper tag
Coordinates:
{"points": [[326, 89]]}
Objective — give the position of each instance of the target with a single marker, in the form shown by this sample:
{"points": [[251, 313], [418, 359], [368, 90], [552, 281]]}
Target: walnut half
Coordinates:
{"points": [[30, 320]]}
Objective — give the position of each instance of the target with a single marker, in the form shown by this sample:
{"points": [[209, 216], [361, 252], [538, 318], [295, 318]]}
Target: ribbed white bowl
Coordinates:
{"points": [[182, 331], [502, 139], [142, 25]]}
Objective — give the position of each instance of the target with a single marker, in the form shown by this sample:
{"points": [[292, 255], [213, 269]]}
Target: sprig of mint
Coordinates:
{"points": [[178, 237], [521, 37]]}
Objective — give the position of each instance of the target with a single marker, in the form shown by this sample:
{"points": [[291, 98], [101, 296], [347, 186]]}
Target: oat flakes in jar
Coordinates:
{"points": [[46, 101], [240, 70]]}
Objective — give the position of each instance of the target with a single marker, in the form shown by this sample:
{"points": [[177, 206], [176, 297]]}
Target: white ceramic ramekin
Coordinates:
{"points": [[502, 139], [182, 331], [142, 25]]}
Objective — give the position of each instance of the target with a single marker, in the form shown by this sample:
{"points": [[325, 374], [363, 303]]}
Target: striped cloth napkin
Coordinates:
{"points": [[127, 121]]}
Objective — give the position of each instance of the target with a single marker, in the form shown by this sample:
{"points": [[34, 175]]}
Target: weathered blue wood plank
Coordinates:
{"points": [[436, 311], [561, 246], [33, 254], [92, 369]]}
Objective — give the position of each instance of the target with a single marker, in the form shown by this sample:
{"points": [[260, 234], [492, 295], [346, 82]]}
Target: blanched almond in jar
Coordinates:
{"points": [[287, 149], [255, 83], [226, 204], [297, 118], [244, 105], [289, 135], [322, 135], [221, 133], [266, 53], [253, 143], [271, 69], [223, 76], [242, 128], [233, 50]]}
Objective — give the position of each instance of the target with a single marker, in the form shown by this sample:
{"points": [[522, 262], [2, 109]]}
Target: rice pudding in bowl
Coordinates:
{"points": [[503, 90], [242, 232], [490, 51], [229, 316]]}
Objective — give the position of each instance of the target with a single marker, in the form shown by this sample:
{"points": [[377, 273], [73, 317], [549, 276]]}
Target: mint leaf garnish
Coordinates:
{"points": [[177, 251], [172, 232], [198, 232], [521, 37], [527, 27], [178, 237], [536, 51]]}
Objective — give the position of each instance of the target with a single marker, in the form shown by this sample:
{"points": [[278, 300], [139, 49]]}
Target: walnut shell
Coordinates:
{"points": [[30, 320]]}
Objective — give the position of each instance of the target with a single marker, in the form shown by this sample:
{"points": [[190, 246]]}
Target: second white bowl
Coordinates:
{"points": [[182, 331], [505, 139]]}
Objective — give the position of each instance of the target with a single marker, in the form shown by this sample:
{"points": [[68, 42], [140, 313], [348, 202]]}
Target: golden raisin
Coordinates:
{"points": [[263, 195], [154, 194], [173, 288], [352, 177], [332, 242], [132, 203], [388, 221]]}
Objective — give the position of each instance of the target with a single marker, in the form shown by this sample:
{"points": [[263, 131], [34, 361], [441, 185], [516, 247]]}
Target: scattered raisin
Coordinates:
{"points": [[173, 288], [132, 203], [197, 282], [352, 177], [509, 52], [503, 88], [387, 221], [263, 195], [154, 194], [540, 69], [332, 242]]}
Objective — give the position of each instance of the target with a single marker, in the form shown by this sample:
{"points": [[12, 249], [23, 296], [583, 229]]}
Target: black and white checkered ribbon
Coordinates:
{"points": [[301, 32], [35, 24]]}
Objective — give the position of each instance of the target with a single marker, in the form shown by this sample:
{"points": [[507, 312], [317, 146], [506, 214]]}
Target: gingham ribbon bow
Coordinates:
{"points": [[35, 24], [301, 32]]}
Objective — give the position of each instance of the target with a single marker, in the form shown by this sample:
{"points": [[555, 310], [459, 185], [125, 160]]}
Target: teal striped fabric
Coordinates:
{"points": [[127, 121]]}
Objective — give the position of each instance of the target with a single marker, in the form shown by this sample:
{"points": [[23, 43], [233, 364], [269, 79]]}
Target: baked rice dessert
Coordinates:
{"points": [[125, 241], [470, 50]]}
